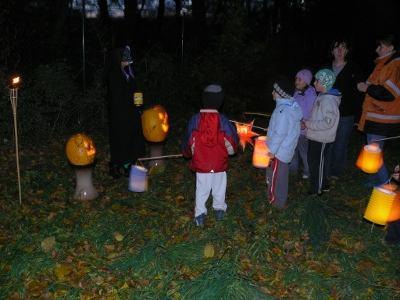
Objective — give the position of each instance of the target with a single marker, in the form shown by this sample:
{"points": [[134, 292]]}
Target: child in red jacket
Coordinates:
{"points": [[210, 138]]}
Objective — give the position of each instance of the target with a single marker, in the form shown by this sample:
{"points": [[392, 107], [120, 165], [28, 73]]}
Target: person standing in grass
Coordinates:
{"points": [[348, 74], [305, 96], [210, 138], [381, 109], [321, 129], [283, 134]]}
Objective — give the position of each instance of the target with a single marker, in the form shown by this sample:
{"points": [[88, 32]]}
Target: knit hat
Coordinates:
{"points": [[305, 75], [126, 55], [213, 96], [326, 77], [284, 87]]}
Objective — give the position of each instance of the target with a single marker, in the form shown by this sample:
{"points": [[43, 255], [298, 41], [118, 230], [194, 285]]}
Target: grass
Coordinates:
{"points": [[318, 248]]}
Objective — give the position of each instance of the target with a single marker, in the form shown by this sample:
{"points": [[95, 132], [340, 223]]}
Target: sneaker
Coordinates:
{"points": [[200, 220], [333, 177], [304, 176], [219, 215], [326, 190]]}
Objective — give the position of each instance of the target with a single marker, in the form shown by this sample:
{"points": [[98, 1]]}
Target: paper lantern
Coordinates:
{"points": [[80, 150], [138, 179], [370, 159], [383, 206], [245, 133], [260, 153], [138, 98], [155, 124], [84, 189]]}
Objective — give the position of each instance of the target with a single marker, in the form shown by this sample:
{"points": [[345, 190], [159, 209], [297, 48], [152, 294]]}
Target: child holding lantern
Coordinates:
{"points": [[321, 129], [283, 134], [210, 138]]}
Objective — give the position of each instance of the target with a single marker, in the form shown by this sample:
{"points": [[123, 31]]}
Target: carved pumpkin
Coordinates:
{"points": [[155, 124], [80, 150]]}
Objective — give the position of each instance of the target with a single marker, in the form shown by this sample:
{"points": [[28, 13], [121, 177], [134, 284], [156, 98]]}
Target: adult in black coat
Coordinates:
{"points": [[348, 74], [125, 129]]}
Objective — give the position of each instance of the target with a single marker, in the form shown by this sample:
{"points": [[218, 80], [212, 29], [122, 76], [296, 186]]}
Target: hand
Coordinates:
{"points": [[303, 125], [362, 87], [271, 155]]}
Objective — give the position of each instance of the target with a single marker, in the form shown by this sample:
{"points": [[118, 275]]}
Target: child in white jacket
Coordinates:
{"points": [[283, 134], [321, 129]]}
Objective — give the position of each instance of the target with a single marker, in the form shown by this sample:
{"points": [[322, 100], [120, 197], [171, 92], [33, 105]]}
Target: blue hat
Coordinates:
{"points": [[326, 77]]}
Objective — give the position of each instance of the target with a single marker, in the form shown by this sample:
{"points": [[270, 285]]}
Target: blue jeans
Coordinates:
{"points": [[337, 153], [383, 175]]}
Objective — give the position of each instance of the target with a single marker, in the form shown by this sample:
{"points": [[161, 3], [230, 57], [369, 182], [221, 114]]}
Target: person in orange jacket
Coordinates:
{"points": [[381, 109]]}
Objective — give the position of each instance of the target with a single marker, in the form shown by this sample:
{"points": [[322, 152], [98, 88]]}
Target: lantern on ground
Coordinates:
{"points": [[245, 133], [260, 153], [155, 124], [370, 159], [138, 179], [383, 206], [81, 153]]}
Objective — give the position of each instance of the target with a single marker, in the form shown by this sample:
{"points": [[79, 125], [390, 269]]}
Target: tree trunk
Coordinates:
{"points": [[160, 13], [103, 9], [199, 15], [131, 17], [178, 8]]}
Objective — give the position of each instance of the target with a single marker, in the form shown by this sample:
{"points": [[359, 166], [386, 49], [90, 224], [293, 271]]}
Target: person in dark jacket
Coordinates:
{"points": [[125, 129], [348, 74], [209, 139]]}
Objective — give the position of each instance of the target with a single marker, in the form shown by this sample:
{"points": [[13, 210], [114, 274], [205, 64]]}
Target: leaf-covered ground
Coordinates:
{"points": [[145, 246]]}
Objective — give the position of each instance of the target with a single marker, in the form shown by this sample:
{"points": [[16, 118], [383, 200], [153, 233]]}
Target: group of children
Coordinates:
{"points": [[301, 126]]}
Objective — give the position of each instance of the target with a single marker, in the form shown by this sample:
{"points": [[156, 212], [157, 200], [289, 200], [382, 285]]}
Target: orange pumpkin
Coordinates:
{"points": [[155, 124], [80, 150]]}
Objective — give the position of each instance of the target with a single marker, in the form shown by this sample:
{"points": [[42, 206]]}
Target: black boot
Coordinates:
{"points": [[115, 171], [393, 233]]}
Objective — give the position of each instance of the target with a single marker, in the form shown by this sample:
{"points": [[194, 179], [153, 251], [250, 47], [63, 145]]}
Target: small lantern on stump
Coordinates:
{"points": [[370, 159], [383, 206], [81, 153], [260, 153], [155, 124]]}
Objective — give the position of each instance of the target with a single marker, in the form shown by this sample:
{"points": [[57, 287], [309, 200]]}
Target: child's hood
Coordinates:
{"points": [[334, 94], [291, 106]]}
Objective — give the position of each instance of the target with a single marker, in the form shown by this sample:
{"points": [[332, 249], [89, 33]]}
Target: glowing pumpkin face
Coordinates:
{"points": [[80, 150], [155, 124]]}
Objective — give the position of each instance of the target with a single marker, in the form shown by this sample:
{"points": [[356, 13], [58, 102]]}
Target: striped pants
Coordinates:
{"points": [[316, 162], [277, 176]]}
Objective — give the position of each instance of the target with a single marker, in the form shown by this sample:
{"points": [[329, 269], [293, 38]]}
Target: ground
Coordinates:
{"points": [[128, 245]]}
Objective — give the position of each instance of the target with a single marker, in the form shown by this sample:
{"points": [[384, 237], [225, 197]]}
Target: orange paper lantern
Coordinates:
{"points": [[260, 153], [370, 159], [245, 133], [80, 150], [383, 206]]}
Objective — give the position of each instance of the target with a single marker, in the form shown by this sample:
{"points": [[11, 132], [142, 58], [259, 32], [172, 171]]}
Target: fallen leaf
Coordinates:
{"points": [[62, 271], [208, 251], [48, 244], [118, 236]]}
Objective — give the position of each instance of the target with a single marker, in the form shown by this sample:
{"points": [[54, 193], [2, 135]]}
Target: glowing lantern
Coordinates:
{"points": [[155, 124], [138, 179], [383, 206], [260, 153], [370, 159], [80, 150], [138, 98], [245, 133]]}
